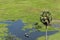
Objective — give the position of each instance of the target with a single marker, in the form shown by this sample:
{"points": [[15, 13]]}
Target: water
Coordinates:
{"points": [[56, 25], [15, 28]]}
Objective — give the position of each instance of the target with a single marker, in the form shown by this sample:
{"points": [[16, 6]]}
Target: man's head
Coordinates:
{"points": [[45, 17], [46, 13]]}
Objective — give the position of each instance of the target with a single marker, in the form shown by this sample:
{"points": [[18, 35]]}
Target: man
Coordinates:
{"points": [[46, 18]]}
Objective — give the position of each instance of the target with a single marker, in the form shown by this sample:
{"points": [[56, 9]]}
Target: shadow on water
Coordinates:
{"points": [[16, 29]]}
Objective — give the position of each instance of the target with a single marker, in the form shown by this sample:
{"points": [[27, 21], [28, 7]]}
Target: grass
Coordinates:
{"points": [[3, 31], [51, 37], [41, 38], [55, 36], [28, 10]]}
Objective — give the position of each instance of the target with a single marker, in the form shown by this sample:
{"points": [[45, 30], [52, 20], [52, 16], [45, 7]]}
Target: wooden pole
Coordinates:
{"points": [[46, 34]]}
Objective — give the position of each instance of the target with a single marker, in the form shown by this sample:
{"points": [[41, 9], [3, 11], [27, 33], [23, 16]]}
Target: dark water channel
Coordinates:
{"points": [[15, 28]]}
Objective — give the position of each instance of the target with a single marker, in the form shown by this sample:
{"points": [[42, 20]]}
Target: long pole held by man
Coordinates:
{"points": [[45, 19], [46, 33]]}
